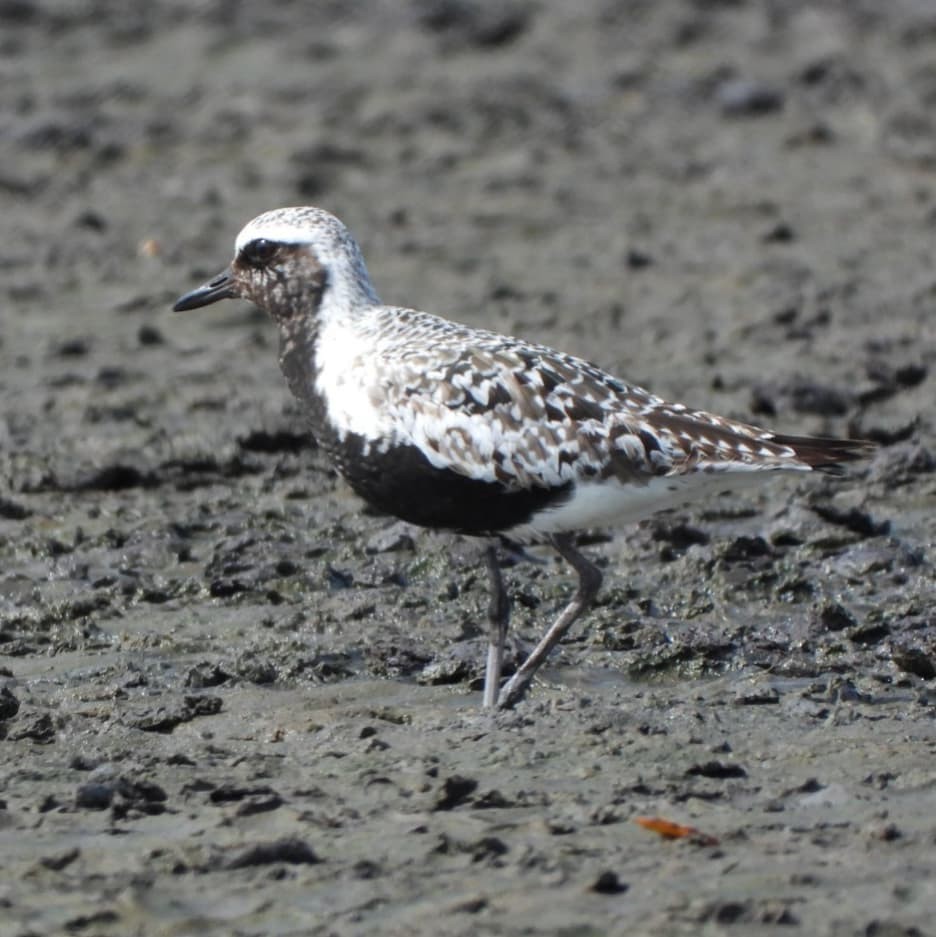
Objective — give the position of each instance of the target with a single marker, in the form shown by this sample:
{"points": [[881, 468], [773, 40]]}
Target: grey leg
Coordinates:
{"points": [[588, 585], [498, 619]]}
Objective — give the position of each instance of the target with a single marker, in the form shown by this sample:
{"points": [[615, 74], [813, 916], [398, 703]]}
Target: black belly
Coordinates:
{"points": [[402, 482]]}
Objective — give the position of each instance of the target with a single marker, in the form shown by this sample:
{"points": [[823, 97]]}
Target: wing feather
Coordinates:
{"points": [[498, 409]]}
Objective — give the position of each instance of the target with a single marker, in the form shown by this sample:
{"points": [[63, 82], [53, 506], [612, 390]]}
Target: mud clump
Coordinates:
{"points": [[231, 699]]}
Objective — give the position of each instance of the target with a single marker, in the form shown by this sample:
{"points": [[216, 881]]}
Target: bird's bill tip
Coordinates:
{"points": [[223, 286]]}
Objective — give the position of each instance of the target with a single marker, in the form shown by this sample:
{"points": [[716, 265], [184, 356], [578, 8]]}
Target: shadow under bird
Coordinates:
{"points": [[461, 429]]}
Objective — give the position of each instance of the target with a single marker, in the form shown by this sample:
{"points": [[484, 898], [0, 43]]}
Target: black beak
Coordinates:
{"points": [[223, 286]]}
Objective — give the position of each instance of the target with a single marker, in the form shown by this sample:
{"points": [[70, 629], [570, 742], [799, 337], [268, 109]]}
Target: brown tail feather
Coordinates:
{"points": [[827, 455]]}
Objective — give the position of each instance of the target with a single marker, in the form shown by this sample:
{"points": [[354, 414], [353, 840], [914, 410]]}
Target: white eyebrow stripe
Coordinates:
{"points": [[271, 231]]}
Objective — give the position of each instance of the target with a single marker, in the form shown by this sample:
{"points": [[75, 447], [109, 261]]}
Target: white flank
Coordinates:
{"points": [[606, 503]]}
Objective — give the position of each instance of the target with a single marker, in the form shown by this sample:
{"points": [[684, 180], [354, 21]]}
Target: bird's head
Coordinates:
{"points": [[288, 262]]}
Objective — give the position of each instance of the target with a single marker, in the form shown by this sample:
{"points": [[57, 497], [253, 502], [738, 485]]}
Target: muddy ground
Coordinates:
{"points": [[234, 702]]}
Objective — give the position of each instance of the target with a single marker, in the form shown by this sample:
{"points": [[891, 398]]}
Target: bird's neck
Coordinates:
{"points": [[341, 316], [348, 288]]}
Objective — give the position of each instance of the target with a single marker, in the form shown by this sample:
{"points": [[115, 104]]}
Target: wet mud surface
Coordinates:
{"points": [[235, 702]]}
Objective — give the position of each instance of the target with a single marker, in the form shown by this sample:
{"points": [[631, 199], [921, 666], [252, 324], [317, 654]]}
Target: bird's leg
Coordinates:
{"points": [[589, 583], [498, 619]]}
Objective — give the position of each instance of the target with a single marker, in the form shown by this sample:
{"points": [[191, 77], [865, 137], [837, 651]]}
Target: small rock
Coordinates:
{"points": [[262, 804], [887, 833], [455, 790], [13, 510], [765, 696], [206, 674], [366, 869], [743, 97], [679, 534], [73, 348], [638, 259], [467, 22], [812, 397], [834, 617], [854, 519], [37, 726], [608, 883], [289, 849], [166, 718], [94, 796], [469, 906], [257, 670], [488, 847], [444, 672], [915, 660], [9, 704], [393, 539], [716, 769], [140, 791], [745, 548], [780, 233], [84, 762], [230, 793], [60, 860], [870, 633], [149, 336]]}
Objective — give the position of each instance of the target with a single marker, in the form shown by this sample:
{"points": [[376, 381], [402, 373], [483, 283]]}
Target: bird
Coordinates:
{"points": [[462, 429]]}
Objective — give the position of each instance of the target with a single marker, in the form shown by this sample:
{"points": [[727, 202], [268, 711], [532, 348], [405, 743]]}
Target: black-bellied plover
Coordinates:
{"points": [[462, 429]]}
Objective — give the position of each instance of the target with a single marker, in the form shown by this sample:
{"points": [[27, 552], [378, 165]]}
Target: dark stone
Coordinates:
{"points": [[780, 233], [259, 804], [716, 769], [9, 704], [488, 847], [165, 718], [36, 726], [140, 791], [231, 793], [637, 259], [468, 22], [455, 791], [762, 697], [869, 634], [835, 617], [276, 441], [206, 674], [915, 660], [812, 397], [742, 97], [223, 587], [95, 795], [854, 519], [13, 511], [745, 548], [84, 763], [393, 539], [115, 477], [73, 348], [149, 336], [366, 869], [289, 849], [91, 220], [608, 883], [60, 860], [256, 670], [679, 534]]}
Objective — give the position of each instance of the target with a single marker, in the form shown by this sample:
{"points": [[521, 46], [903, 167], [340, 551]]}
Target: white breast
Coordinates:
{"points": [[348, 380]]}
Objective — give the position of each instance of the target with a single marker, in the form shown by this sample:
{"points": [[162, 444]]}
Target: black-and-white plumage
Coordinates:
{"points": [[463, 429]]}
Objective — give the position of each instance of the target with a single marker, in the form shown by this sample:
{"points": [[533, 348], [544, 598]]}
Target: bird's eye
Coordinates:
{"points": [[259, 251]]}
